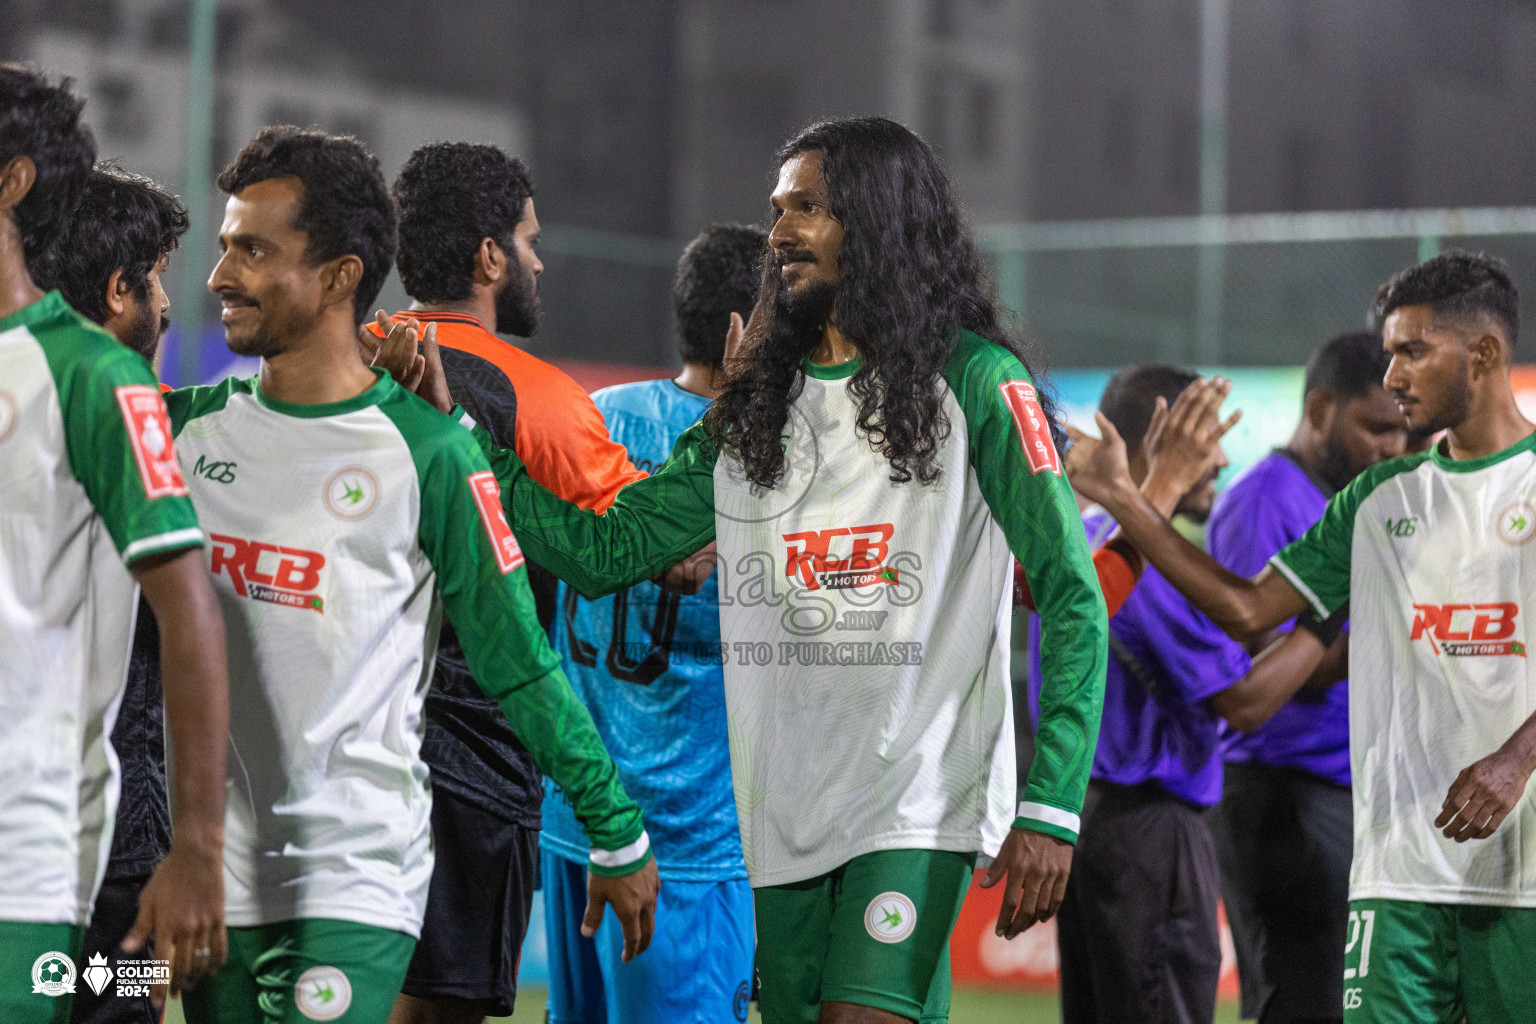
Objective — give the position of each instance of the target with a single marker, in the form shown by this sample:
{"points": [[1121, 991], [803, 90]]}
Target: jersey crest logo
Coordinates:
{"points": [[1404, 526], [1468, 630], [149, 432], [351, 493], [268, 572], [1034, 429], [8, 415], [809, 556], [1517, 523], [488, 500]]}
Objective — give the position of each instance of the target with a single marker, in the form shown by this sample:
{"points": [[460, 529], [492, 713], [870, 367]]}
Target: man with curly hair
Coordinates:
{"points": [[348, 520], [95, 503], [107, 263], [869, 475], [468, 257]]}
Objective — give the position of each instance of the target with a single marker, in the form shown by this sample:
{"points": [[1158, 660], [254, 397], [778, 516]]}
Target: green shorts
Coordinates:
{"points": [[39, 970], [309, 969], [873, 932], [1430, 963]]}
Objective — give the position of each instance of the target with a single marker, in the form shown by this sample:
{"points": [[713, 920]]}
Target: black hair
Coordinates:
{"points": [[124, 221], [346, 209], [1455, 284], [451, 196], [911, 280], [716, 276], [1347, 366], [42, 121], [1131, 396]]}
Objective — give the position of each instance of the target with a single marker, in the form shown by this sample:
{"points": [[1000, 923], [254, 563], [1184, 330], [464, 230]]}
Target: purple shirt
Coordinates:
{"points": [[1262, 511], [1156, 726]]}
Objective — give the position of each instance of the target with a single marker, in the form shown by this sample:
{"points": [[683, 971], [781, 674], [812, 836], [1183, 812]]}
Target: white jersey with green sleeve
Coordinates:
{"points": [[865, 623], [1436, 559], [338, 535], [89, 485]]}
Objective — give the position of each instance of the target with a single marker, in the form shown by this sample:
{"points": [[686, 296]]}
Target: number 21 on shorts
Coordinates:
{"points": [[1362, 925]]}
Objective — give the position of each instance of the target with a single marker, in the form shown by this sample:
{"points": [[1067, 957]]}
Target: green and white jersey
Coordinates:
{"points": [[866, 623], [90, 485], [337, 534], [1436, 560]]}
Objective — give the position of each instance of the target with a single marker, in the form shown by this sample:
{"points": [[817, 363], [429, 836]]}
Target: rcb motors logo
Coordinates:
{"points": [[268, 572], [810, 557], [1468, 630]]}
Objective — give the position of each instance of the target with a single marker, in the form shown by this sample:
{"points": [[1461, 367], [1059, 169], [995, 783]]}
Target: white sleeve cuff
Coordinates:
{"points": [[1049, 815], [613, 859]]}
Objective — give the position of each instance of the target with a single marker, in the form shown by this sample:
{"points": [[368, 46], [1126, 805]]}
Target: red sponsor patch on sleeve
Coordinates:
{"points": [[1034, 430], [149, 431], [488, 500]]}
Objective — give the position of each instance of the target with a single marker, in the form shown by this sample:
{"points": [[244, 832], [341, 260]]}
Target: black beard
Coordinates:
{"points": [[1457, 408], [517, 306], [1335, 469], [143, 335], [808, 310]]}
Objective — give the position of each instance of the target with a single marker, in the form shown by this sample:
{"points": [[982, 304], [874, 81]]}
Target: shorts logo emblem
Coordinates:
{"points": [[322, 993], [890, 917]]}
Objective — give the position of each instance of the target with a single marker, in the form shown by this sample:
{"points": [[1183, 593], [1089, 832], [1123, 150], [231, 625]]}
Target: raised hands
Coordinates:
{"points": [[1182, 446]]}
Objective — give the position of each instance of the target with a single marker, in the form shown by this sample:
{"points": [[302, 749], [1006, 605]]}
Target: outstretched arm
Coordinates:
{"points": [[1239, 606], [652, 525]]}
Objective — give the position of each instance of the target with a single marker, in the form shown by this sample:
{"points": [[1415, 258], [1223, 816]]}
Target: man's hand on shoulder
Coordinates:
{"points": [[1036, 866], [633, 898], [415, 367]]}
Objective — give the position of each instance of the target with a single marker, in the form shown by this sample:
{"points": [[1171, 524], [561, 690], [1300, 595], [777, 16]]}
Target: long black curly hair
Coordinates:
{"points": [[911, 280]]}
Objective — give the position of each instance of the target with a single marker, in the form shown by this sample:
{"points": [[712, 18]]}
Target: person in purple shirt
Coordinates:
{"points": [[1137, 931], [1283, 828]]}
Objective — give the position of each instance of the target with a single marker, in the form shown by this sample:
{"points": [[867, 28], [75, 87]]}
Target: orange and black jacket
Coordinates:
{"points": [[549, 420]]}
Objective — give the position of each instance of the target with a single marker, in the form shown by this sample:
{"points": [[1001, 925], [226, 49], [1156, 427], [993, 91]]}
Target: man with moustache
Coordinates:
{"points": [[468, 257], [1137, 930], [879, 459], [1431, 552], [353, 518], [108, 263]]}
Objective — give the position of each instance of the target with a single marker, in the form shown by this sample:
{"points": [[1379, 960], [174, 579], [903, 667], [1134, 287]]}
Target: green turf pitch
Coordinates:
{"points": [[970, 1007]]}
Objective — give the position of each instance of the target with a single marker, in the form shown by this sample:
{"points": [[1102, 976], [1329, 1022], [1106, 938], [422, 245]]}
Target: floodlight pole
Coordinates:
{"points": [[1211, 281], [194, 248]]}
